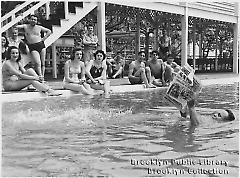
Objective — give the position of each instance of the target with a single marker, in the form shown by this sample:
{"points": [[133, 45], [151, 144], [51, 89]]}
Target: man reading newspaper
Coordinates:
{"points": [[183, 87], [182, 93]]}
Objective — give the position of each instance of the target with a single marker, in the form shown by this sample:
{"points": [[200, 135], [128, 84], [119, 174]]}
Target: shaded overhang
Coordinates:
{"points": [[220, 11]]}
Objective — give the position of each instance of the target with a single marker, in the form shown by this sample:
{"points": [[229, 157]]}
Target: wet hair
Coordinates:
{"points": [[140, 52], [154, 51], [8, 55], [100, 51], [7, 42], [231, 116], [74, 51]]}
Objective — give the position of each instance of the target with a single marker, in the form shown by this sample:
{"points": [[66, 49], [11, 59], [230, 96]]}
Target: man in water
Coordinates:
{"points": [[219, 115], [36, 43]]}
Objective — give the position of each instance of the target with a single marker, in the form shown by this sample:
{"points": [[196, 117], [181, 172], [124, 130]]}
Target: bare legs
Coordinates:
{"points": [[42, 57], [39, 60], [145, 74], [84, 88], [119, 72], [105, 87], [20, 84]]}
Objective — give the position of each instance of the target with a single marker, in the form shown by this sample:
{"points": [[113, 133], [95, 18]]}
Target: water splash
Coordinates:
{"points": [[77, 117]]}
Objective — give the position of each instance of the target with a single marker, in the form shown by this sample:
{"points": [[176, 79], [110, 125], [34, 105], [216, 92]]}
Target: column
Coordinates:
{"points": [[236, 37], [54, 60], [194, 43], [66, 9], [101, 25], [200, 39], [184, 38], [137, 43], [216, 49]]}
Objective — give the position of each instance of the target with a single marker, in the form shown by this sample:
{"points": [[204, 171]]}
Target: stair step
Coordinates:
{"points": [[72, 6]]}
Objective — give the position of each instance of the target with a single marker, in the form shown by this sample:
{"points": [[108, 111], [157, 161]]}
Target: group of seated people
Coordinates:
{"points": [[87, 77], [92, 74], [154, 72], [78, 76]]}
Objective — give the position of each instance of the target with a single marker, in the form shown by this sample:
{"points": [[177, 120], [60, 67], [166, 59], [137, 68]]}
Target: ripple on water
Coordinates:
{"points": [[99, 137]]}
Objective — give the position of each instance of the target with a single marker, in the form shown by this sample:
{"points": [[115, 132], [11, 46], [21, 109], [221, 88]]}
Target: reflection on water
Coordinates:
{"points": [[133, 134]]}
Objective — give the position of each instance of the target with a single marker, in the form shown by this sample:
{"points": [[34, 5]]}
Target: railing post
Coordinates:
{"points": [[66, 9]]}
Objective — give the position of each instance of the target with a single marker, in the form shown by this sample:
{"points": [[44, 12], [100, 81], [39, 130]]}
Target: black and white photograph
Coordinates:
{"points": [[117, 88]]}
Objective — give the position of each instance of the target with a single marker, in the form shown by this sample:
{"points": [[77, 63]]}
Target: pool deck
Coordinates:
{"points": [[117, 86]]}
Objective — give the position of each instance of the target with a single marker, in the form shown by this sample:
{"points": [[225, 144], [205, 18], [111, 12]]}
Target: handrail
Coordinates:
{"points": [[26, 13], [14, 11]]}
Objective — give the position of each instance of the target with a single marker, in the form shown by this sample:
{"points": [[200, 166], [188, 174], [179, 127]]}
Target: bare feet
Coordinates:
{"points": [[52, 92], [150, 86]]}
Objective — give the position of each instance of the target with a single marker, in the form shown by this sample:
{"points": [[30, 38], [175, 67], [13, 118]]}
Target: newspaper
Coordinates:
{"points": [[183, 87]]}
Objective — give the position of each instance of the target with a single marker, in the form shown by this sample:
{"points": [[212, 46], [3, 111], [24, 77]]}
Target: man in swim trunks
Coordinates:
{"points": [[157, 69], [139, 73], [36, 43]]}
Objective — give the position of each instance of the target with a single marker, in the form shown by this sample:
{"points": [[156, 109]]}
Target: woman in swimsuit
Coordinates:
{"points": [[96, 72], [15, 77], [72, 69]]}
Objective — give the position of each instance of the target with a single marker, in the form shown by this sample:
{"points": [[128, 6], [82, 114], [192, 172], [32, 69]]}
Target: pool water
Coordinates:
{"points": [[126, 135]]}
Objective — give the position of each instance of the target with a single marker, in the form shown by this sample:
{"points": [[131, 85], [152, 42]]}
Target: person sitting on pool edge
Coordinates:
{"points": [[118, 66], [139, 73], [157, 67], [171, 68], [15, 77], [72, 69], [96, 71], [219, 115]]}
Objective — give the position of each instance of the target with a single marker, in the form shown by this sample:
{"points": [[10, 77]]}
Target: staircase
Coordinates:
{"points": [[70, 19], [71, 13]]}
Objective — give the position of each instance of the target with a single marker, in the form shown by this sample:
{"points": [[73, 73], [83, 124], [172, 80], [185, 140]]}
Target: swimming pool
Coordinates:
{"points": [[130, 134]]}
